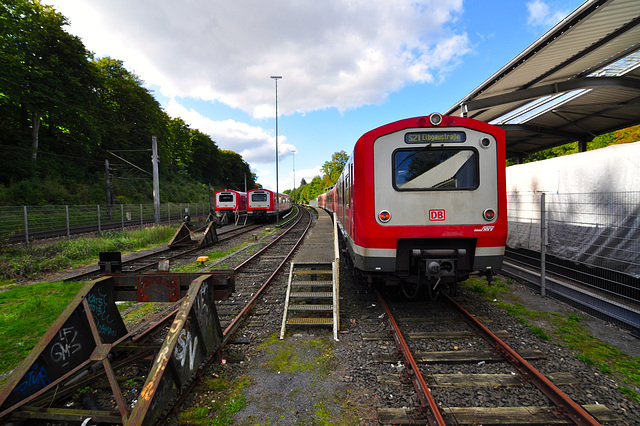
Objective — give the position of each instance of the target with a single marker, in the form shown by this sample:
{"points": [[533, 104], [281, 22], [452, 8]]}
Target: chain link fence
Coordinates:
{"points": [[26, 223], [594, 235]]}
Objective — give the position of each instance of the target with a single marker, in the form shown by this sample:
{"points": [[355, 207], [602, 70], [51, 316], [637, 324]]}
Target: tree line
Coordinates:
{"points": [[331, 170], [63, 112]]}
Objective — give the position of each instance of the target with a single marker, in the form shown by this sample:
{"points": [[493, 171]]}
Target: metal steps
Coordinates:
{"points": [[310, 296], [312, 290]]}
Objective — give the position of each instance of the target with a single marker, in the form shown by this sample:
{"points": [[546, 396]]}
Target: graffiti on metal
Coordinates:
{"points": [[105, 312], [67, 344], [194, 334], [91, 328]]}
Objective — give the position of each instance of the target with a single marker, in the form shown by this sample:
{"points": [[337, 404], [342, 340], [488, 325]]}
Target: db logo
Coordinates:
{"points": [[436, 215]]}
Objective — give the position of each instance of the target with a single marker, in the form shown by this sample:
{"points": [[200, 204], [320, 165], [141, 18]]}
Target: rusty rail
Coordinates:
{"points": [[428, 407], [566, 407], [233, 326]]}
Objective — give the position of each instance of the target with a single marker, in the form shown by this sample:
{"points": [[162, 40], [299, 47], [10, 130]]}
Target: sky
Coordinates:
{"points": [[347, 66]]}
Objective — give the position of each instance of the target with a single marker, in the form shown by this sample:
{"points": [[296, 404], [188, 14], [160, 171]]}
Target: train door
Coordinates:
{"points": [[352, 218]]}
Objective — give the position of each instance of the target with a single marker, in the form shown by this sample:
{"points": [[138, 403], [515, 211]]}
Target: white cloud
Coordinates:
{"points": [[340, 54], [542, 14], [332, 53], [254, 143]]}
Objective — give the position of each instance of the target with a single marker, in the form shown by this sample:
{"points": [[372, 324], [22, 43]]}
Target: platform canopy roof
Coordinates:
{"points": [[579, 80]]}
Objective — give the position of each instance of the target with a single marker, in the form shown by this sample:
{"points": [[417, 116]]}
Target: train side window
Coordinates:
{"points": [[435, 169], [346, 190]]}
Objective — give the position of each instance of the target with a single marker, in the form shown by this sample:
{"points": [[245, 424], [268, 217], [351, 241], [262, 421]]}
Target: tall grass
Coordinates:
{"points": [[21, 263]]}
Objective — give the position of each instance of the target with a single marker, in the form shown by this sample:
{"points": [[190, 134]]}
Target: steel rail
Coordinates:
{"points": [[233, 326], [564, 404], [95, 271], [428, 406]]}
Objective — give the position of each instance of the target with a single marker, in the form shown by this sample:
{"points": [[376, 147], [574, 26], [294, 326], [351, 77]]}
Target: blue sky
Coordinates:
{"points": [[347, 66]]}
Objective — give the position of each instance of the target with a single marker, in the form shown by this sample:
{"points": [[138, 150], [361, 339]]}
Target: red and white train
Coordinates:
{"points": [[230, 202], [261, 204], [421, 203]]}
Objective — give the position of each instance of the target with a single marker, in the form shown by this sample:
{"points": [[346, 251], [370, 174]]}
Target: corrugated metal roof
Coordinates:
{"points": [[566, 62]]}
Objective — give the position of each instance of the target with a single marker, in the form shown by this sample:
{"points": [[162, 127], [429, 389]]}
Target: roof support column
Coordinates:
{"points": [[582, 145]]}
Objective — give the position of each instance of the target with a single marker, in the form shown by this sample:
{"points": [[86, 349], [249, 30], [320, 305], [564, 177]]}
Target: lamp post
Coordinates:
{"points": [[293, 154], [276, 78]]}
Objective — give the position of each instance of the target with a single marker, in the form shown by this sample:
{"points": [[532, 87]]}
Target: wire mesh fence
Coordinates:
{"points": [[595, 236], [26, 223]]}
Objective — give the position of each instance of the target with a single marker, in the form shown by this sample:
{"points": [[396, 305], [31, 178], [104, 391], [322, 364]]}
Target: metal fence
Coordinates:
{"points": [[26, 223], [593, 235]]}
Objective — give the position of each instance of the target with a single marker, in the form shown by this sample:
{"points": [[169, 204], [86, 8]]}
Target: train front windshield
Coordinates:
{"points": [[259, 197], [432, 169], [225, 198]]}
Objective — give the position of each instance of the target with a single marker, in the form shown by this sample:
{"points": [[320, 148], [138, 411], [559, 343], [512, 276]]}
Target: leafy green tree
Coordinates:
{"points": [[129, 115], [630, 134], [45, 76], [179, 144], [333, 168], [234, 171], [205, 159]]}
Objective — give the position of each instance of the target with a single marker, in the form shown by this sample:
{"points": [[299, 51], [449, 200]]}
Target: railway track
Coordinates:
{"points": [[467, 355], [149, 262], [126, 377], [576, 288], [253, 276]]}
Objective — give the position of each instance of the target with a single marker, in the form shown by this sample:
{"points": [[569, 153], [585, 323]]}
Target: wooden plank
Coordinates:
{"points": [[453, 357], [67, 414], [431, 335], [476, 380], [398, 416], [491, 380], [452, 335], [522, 415]]}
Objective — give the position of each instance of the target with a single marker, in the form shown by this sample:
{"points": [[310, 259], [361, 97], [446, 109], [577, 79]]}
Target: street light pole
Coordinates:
{"points": [[276, 78], [293, 153]]}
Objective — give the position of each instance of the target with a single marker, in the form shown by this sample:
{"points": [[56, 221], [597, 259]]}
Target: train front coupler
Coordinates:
{"points": [[438, 266], [438, 263]]}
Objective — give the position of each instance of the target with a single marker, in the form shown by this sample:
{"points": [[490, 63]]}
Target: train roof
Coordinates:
{"points": [[267, 190], [424, 122], [230, 190]]}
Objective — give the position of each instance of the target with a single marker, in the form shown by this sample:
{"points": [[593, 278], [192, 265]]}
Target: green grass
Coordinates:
{"points": [[224, 399], [25, 315], [26, 312], [290, 356], [217, 255], [569, 331], [19, 263]]}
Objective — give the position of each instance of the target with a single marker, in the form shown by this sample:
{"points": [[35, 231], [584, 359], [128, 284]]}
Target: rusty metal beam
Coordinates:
{"points": [[91, 329], [187, 236], [194, 335]]}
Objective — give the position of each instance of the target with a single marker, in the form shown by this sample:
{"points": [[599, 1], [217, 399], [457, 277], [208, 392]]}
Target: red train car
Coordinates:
{"points": [[421, 203], [230, 201], [261, 204]]}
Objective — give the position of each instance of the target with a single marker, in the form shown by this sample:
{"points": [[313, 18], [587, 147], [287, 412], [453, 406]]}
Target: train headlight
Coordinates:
{"points": [[435, 119], [384, 216], [489, 214]]}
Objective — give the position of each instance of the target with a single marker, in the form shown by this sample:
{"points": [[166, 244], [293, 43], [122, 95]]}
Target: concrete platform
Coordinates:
{"points": [[319, 246]]}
